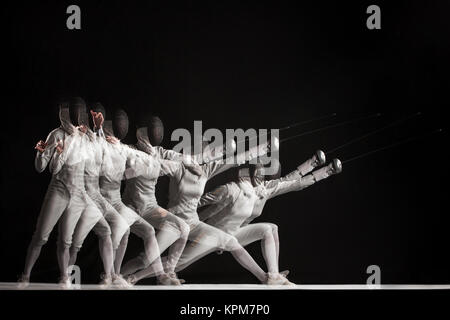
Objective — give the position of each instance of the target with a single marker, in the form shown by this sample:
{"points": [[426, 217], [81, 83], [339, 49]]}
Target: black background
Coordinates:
{"points": [[251, 65]]}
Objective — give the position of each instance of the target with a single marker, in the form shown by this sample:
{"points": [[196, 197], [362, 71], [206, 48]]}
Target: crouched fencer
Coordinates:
{"points": [[233, 206], [186, 186], [118, 165], [139, 194]]}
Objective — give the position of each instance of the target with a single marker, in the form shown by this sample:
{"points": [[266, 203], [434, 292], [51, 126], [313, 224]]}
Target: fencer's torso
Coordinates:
{"points": [[185, 190], [93, 171], [242, 198], [272, 188], [93, 163], [68, 167], [113, 168], [140, 191]]}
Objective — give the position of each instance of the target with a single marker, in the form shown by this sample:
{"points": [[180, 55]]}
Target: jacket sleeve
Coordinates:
{"points": [[136, 165], [168, 154], [144, 145], [215, 167], [43, 159], [216, 200], [281, 186], [69, 143], [170, 168], [220, 194]]}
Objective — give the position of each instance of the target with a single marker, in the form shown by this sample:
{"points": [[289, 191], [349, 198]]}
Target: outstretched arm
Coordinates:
{"points": [[144, 145], [280, 186], [215, 167]]}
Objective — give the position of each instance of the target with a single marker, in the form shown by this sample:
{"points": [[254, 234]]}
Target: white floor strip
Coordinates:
{"points": [[54, 286]]}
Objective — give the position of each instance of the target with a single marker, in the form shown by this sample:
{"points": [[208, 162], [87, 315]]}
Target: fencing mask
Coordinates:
{"points": [[120, 124], [77, 110], [155, 130]]}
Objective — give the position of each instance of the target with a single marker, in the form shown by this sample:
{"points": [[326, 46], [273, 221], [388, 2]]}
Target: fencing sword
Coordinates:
{"points": [[296, 124], [366, 135], [307, 121], [340, 124], [392, 145]]}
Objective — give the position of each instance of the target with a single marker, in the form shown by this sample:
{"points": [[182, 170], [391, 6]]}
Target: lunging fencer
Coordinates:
{"points": [[88, 165], [139, 194], [231, 208], [186, 186], [118, 164]]}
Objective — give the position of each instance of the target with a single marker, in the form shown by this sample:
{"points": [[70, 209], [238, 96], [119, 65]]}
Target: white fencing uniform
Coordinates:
{"points": [[111, 228], [111, 220], [233, 206], [139, 194], [186, 187], [117, 158], [229, 206], [66, 198]]}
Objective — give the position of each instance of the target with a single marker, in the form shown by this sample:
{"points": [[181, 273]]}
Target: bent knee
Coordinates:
{"points": [[102, 230], [38, 240], [75, 247], [270, 228], [145, 261], [148, 233], [184, 229], [233, 244], [64, 243]]}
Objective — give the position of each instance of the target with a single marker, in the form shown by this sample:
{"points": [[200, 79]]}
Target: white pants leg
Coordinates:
{"points": [[143, 230], [172, 233], [269, 243], [205, 239], [66, 228], [55, 203]]}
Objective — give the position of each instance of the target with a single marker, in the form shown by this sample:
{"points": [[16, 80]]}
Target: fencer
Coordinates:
{"points": [[186, 186], [299, 179], [66, 198], [111, 229], [118, 164], [139, 194], [233, 206]]}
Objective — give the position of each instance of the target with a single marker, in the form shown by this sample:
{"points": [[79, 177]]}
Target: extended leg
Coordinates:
{"points": [[265, 233], [91, 219], [120, 252], [217, 239], [173, 233], [67, 227]]}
